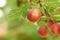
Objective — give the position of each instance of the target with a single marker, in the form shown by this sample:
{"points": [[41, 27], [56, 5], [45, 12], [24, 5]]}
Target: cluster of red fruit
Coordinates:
{"points": [[34, 15]]}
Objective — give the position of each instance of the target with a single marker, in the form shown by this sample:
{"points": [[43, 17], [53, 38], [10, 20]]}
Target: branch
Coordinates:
{"points": [[47, 14]]}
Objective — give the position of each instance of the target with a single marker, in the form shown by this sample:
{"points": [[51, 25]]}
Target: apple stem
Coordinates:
{"points": [[47, 14]]}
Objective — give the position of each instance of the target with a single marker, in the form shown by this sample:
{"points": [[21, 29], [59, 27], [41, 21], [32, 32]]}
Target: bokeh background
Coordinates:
{"points": [[15, 26]]}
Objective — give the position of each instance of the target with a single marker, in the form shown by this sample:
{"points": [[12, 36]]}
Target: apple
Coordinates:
{"points": [[34, 15], [50, 23], [42, 31], [55, 28]]}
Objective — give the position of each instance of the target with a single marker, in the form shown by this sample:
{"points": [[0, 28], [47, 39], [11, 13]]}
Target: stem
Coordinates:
{"points": [[47, 14]]}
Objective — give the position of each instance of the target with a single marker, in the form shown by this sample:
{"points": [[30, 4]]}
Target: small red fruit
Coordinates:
{"points": [[33, 15], [50, 23], [43, 31], [55, 28]]}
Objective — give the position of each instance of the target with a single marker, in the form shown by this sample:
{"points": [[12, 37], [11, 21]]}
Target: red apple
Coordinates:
{"points": [[55, 28], [50, 23], [43, 31], [33, 15]]}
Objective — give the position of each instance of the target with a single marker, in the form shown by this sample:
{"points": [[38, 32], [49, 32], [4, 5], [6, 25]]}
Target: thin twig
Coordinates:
{"points": [[47, 14]]}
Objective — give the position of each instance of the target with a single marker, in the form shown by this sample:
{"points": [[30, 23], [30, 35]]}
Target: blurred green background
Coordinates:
{"points": [[19, 27]]}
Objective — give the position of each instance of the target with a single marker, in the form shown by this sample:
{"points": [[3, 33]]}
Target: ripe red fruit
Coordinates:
{"points": [[50, 23], [33, 15], [43, 31], [55, 28]]}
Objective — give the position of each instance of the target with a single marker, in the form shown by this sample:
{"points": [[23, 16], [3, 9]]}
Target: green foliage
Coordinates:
{"points": [[16, 17]]}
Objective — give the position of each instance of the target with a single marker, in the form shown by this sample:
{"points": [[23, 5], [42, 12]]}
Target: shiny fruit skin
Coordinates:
{"points": [[55, 28], [43, 31], [33, 15]]}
